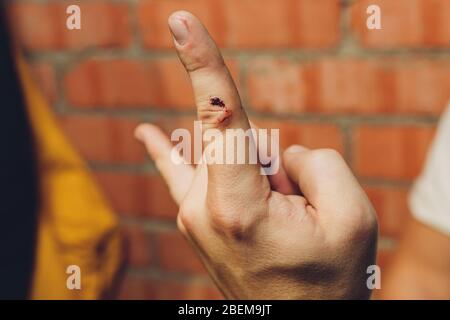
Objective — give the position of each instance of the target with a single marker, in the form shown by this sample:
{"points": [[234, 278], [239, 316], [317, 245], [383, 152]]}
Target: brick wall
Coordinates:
{"points": [[308, 67]]}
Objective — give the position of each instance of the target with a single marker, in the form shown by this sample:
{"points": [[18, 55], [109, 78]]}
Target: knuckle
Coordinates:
{"points": [[369, 224], [213, 118], [234, 223], [364, 225], [194, 64], [231, 225], [200, 62], [211, 115]]}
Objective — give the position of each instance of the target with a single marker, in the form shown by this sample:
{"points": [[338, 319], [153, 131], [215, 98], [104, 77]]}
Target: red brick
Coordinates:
{"points": [[175, 254], [138, 250], [274, 23], [391, 206], [140, 288], [42, 26], [392, 152], [111, 83], [405, 23], [276, 85], [310, 135], [138, 195], [160, 83], [248, 24], [44, 74], [104, 139], [349, 86], [421, 86]]}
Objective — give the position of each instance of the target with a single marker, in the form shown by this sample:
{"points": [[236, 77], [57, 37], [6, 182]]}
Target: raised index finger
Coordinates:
{"points": [[219, 108]]}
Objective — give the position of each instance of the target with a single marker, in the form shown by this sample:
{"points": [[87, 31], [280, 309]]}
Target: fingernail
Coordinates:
{"points": [[179, 29], [296, 149]]}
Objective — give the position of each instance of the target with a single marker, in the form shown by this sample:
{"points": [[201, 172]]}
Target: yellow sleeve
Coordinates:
{"points": [[76, 226]]}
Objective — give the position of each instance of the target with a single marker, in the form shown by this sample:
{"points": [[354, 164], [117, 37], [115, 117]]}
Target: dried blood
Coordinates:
{"points": [[217, 102]]}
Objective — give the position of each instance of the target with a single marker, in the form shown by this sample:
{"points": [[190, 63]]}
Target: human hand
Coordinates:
{"points": [[308, 232]]}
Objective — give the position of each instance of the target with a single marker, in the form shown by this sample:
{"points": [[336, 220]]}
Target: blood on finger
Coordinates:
{"points": [[215, 101], [226, 114]]}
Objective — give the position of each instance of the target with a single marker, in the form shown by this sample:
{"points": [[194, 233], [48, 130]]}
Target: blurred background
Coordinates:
{"points": [[308, 67]]}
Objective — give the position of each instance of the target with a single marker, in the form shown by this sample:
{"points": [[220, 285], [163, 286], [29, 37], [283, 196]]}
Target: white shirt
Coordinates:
{"points": [[429, 199]]}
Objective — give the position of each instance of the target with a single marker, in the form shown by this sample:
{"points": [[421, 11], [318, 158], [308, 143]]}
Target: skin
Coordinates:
{"points": [[416, 272], [308, 232]]}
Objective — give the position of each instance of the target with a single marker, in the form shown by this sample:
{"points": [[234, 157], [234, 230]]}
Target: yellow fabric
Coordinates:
{"points": [[76, 226]]}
